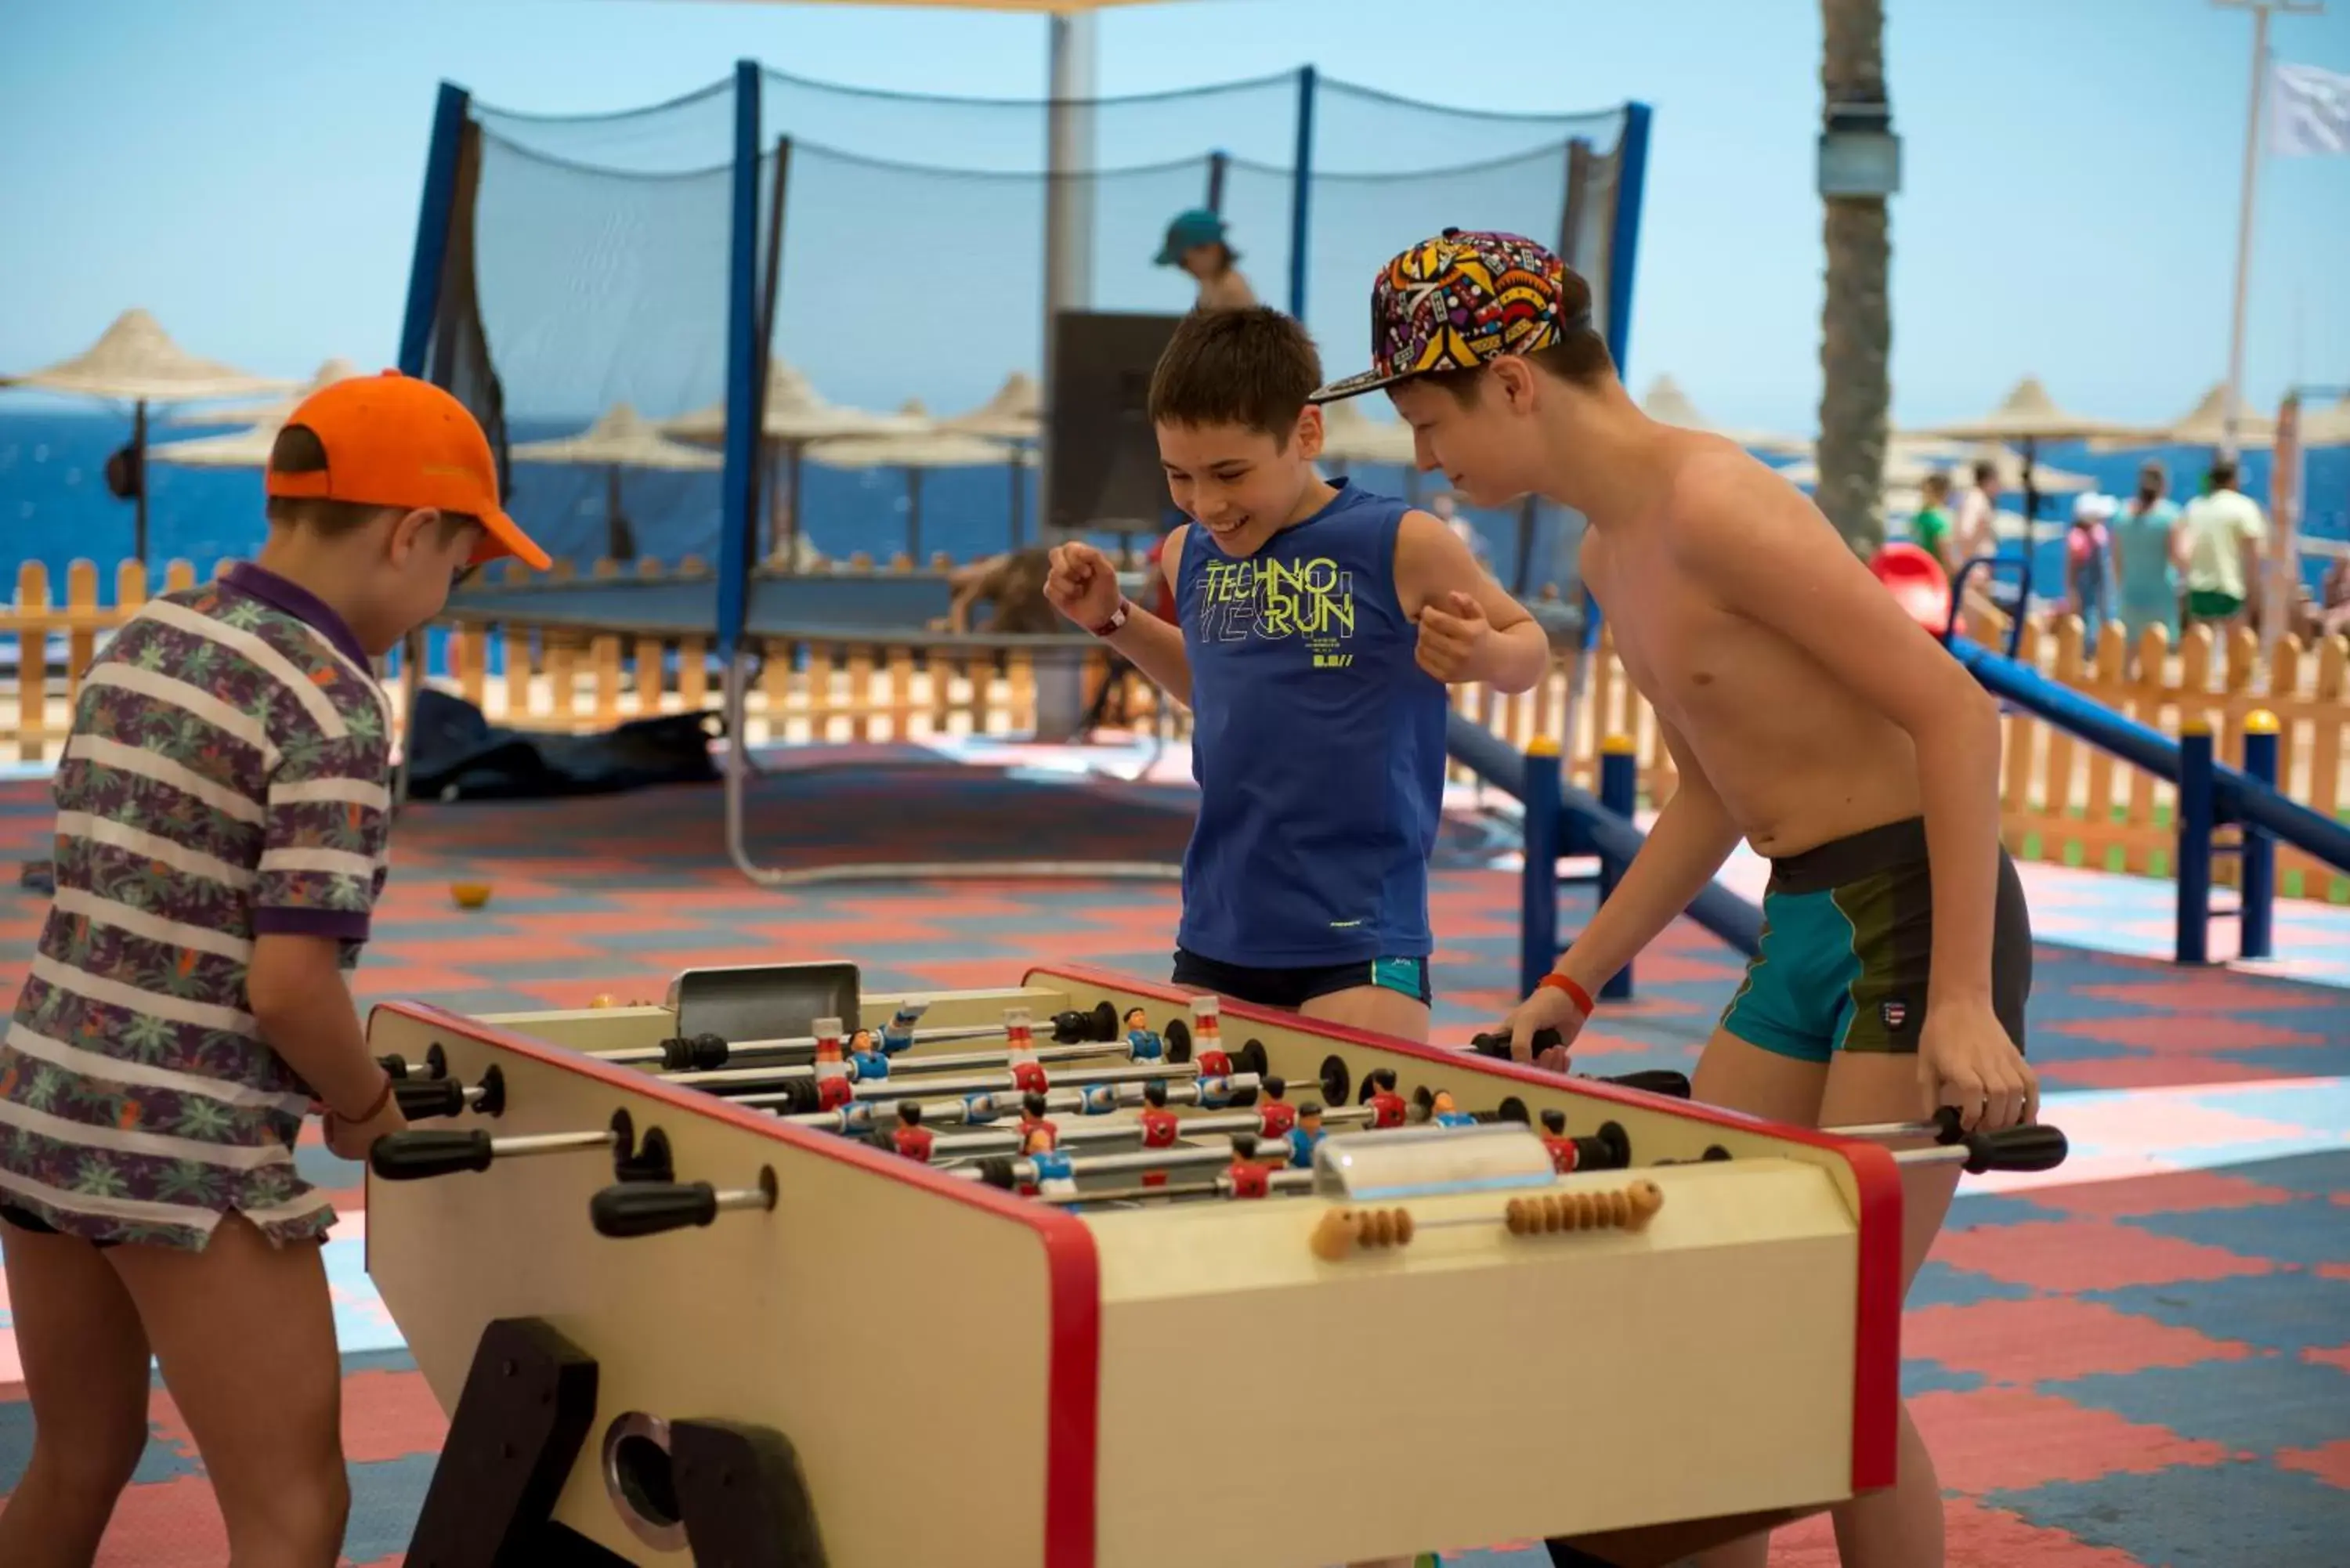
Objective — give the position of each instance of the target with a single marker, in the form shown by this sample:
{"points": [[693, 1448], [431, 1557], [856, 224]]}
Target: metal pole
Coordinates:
{"points": [[1619, 790], [1068, 248], [2193, 872], [1538, 917], [2256, 876], [2233, 407]]}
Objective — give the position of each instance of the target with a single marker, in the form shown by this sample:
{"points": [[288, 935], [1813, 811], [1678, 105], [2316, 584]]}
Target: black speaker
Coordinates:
{"points": [[1104, 458]]}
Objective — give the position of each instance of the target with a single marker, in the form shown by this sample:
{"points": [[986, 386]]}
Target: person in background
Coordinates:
{"points": [[1012, 586], [1196, 242], [2334, 600], [2088, 567], [1446, 507], [1974, 533], [2147, 549], [2221, 533], [1930, 529]]}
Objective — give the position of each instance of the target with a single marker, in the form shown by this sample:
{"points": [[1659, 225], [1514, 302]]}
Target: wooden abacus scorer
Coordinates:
{"points": [[1093, 1273]]}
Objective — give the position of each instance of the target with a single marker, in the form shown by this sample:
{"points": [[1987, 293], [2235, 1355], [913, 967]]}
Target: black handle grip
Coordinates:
{"points": [[694, 1053], [1497, 1043], [1653, 1081], [421, 1099], [2033, 1147], [413, 1156], [650, 1208]]}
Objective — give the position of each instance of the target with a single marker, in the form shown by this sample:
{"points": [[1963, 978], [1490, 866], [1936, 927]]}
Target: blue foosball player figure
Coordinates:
{"points": [[897, 1035], [1142, 1041], [1445, 1113], [867, 1059], [1304, 1137]]}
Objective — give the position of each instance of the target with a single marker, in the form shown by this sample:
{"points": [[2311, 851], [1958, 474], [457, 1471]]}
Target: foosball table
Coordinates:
{"points": [[1091, 1271]]}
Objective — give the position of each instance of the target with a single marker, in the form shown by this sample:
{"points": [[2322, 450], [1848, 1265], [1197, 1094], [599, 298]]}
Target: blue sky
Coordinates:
{"points": [[248, 169]]}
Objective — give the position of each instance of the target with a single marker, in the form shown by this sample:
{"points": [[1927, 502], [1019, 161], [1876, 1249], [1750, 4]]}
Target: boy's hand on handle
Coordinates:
{"points": [[1083, 585], [1547, 1008], [351, 1140], [1965, 1060], [1451, 635]]}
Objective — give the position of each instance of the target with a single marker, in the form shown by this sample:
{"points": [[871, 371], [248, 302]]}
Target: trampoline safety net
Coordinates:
{"points": [[582, 302]]}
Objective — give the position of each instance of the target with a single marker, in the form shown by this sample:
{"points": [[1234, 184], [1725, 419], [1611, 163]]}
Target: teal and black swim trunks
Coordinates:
{"points": [[1847, 948]]}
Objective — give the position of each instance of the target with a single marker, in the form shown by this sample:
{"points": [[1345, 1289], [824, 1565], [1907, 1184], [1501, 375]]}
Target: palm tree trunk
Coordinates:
{"points": [[1857, 322]]}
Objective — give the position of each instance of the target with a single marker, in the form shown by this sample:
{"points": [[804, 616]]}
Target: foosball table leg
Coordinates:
{"points": [[528, 1403], [741, 1497]]}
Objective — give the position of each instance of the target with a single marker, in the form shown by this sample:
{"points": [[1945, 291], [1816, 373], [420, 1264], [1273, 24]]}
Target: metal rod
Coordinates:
{"points": [[548, 1143], [787, 1072]]}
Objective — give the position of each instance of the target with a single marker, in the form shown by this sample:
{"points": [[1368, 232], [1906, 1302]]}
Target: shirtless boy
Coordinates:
{"points": [[1806, 714]]}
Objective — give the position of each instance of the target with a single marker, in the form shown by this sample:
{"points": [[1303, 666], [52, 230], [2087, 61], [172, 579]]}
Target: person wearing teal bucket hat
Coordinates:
{"points": [[1196, 242]]}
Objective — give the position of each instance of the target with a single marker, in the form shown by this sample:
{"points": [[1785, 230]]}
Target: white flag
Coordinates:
{"points": [[2309, 111]]}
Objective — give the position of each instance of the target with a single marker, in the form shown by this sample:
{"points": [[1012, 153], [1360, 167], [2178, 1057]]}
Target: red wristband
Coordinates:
{"points": [[374, 1110], [1117, 618], [1572, 992]]}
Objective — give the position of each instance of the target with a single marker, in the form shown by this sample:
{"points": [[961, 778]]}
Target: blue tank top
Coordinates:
{"points": [[1318, 742]]}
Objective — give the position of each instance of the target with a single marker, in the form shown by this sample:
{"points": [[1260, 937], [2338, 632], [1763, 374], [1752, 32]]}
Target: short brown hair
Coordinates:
{"points": [[1252, 367], [1580, 358], [299, 449]]}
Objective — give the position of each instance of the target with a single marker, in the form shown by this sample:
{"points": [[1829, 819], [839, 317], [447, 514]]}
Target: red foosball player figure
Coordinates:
{"points": [[912, 1138], [1027, 1073], [1249, 1178], [1561, 1147], [833, 1088], [1158, 1124], [1208, 1038], [1275, 1116], [1038, 1134], [1388, 1107]]}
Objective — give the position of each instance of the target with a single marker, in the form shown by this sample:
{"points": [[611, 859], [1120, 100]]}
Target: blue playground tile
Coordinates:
{"points": [[2258, 1406], [1922, 1377], [2330, 1061], [2315, 1175], [2308, 1233], [322, 1166], [2245, 1515], [1987, 1210], [2287, 1311], [386, 1496], [162, 1461], [1936, 1283], [2323, 1106]]}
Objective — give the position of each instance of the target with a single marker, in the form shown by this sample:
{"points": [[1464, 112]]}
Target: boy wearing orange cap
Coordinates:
{"points": [[222, 811]]}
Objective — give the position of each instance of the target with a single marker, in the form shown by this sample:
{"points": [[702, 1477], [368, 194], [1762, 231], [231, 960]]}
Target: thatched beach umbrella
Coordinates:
{"points": [[1015, 413], [924, 446], [2029, 416], [2205, 424], [1664, 402], [620, 439], [135, 362], [796, 417], [273, 411], [1907, 468], [248, 448], [1350, 436]]}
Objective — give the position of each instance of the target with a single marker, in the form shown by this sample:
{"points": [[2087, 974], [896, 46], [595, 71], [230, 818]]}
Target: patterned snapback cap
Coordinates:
{"points": [[1458, 301]]}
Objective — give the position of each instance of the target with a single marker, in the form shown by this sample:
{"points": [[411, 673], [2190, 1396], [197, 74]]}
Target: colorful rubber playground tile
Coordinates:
{"points": [[2136, 1361]]}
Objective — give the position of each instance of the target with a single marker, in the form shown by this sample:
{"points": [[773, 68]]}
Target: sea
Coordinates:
{"points": [[56, 507]]}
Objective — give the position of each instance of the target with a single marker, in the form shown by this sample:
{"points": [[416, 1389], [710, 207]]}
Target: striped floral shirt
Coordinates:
{"points": [[227, 777]]}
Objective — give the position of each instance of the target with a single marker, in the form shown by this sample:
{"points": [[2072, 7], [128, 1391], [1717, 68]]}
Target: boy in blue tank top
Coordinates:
{"points": [[1318, 625]]}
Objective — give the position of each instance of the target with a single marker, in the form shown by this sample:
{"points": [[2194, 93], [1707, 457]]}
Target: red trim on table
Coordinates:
{"points": [[1073, 1375], [1877, 1372]]}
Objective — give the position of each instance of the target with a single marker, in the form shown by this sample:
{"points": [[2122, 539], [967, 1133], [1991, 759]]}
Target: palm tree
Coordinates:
{"points": [[1857, 323]]}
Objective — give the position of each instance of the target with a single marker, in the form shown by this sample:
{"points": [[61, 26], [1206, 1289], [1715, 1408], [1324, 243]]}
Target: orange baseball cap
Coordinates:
{"points": [[394, 440]]}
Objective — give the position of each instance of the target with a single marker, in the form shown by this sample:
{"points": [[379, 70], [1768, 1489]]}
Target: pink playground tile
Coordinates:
{"points": [[2153, 1073], [2188, 1032], [1994, 1440], [2052, 1340], [2073, 1255], [2330, 1463], [2221, 994], [2183, 1191], [174, 1523], [2337, 1356]]}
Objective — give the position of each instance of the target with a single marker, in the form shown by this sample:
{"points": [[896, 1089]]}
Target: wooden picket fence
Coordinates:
{"points": [[567, 680], [2061, 800]]}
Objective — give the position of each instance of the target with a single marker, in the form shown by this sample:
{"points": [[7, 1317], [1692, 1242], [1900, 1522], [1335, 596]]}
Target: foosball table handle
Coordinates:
{"points": [[422, 1099], [651, 1208], [414, 1154], [1651, 1081], [2033, 1148]]}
